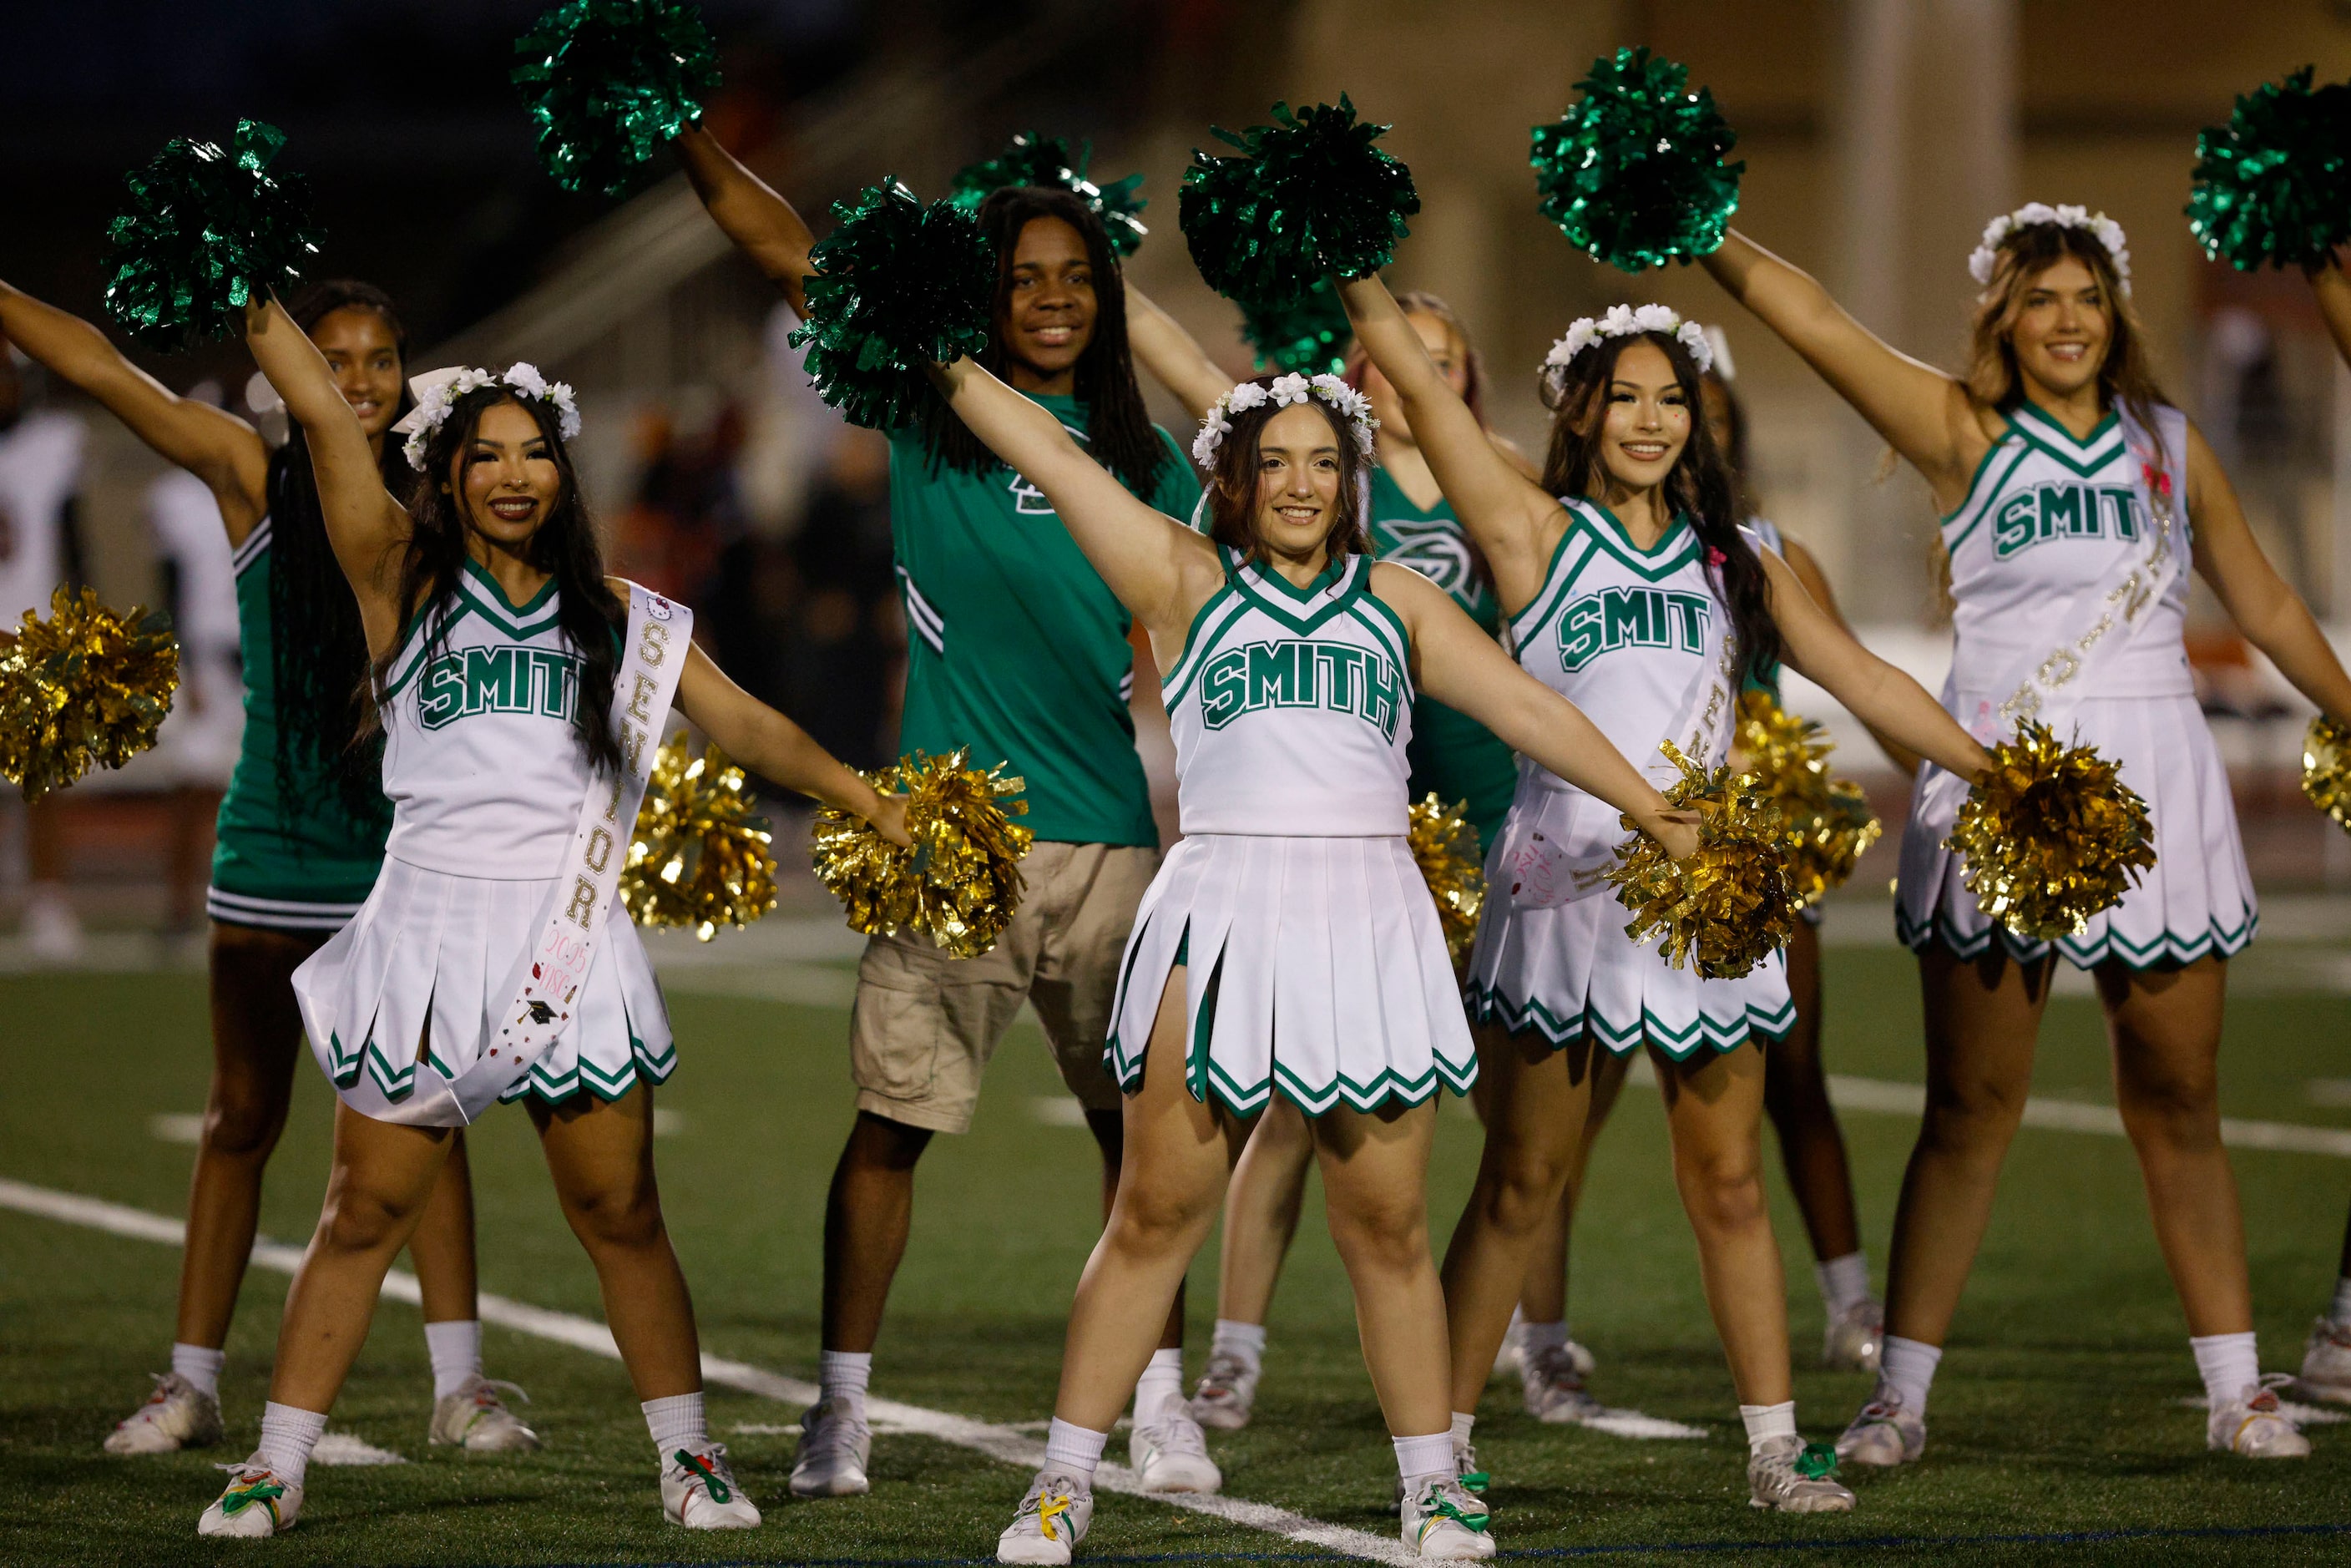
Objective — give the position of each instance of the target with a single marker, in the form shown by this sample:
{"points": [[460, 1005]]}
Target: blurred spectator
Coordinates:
{"points": [[849, 672], [670, 536]]}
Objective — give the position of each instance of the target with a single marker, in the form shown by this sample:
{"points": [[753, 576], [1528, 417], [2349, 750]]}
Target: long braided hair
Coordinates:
{"points": [[317, 648]]}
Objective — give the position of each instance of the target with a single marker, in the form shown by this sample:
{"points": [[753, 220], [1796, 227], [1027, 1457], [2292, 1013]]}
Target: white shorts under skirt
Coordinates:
{"points": [[1314, 968], [431, 948], [2198, 899]]}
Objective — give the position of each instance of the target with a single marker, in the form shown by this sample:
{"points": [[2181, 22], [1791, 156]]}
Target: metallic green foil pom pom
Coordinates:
{"points": [[608, 82], [1308, 334], [1305, 198], [206, 231], [897, 286], [1029, 159], [1633, 172], [2274, 184]]}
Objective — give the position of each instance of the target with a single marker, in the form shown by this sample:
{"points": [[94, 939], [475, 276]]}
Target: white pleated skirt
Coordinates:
{"points": [[2197, 902], [426, 961], [1314, 969]]}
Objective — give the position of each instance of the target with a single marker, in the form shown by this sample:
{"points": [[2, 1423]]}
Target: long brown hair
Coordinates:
{"points": [[2125, 378], [1233, 483]]}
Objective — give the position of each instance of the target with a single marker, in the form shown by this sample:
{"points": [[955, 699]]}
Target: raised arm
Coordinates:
{"points": [[1923, 413], [1173, 356], [1160, 570], [773, 747], [2268, 612], [763, 226], [217, 448], [1507, 514]]}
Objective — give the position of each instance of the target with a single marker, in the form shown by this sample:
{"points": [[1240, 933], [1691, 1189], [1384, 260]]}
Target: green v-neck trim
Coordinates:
{"points": [[2083, 459], [2049, 424], [1333, 571], [481, 576], [1675, 549], [1246, 582]]}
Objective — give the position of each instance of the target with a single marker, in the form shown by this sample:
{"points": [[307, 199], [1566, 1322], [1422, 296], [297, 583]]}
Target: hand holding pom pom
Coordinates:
{"points": [[1305, 199], [207, 232], [1827, 820], [1445, 845], [694, 859], [1029, 159], [608, 82], [2052, 836], [898, 287], [2274, 184], [1634, 173], [1730, 905], [960, 882], [84, 688]]}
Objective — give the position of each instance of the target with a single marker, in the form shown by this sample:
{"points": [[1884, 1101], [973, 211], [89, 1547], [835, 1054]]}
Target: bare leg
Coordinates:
{"points": [[193, 811], [1544, 1298], [443, 1247], [1261, 1210], [1714, 1106], [1375, 1188], [867, 1214], [1109, 1128], [1796, 1095]]}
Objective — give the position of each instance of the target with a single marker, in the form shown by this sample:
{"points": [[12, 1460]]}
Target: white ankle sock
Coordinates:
{"points": [[1429, 1455], [1909, 1364], [677, 1422], [1462, 1427], [455, 1347], [842, 1376], [1536, 1338], [1074, 1450], [200, 1365], [2229, 1363], [2341, 1312], [288, 1435], [1844, 1281], [1765, 1422], [1160, 1381], [1244, 1342]]}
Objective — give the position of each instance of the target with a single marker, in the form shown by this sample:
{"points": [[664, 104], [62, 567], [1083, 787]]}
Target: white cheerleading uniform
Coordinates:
{"points": [[2048, 520], [484, 766], [1314, 964], [1628, 636]]}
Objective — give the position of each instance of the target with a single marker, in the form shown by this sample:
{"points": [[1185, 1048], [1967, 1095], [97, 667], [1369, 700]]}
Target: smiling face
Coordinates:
{"points": [[1645, 414], [1299, 471], [1046, 317], [505, 479], [364, 356], [1451, 356], [2063, 323]]}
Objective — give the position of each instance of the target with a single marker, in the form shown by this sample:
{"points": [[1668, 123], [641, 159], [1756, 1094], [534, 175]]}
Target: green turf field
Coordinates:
{"points": [[2059, 1429]]}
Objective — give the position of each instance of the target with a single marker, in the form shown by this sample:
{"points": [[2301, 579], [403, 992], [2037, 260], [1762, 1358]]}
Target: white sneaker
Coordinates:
{"points": [[1171, 1453], [51, 930], [836, 1445], [256, 1504], [699, 1491], [1051, 1522], [1856, 1338], [1792, 1476], [1467, 1470], [1511, 1357], [177, 1415], [1444, 1522], [2326, 1364], [1228, 1392], [477, 1420], [1554, 1388], [1883, 1433], [2252, 1425]]}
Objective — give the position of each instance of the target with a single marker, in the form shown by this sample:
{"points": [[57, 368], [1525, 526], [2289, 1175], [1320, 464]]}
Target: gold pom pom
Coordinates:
{"points": [[86, 689], [1828, 820], [1732, 904], [2052, 836], [1445, 844], [961, 882], [2326, 769], [694, 859]]}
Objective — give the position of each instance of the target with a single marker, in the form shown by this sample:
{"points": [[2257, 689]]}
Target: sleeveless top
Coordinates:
{"points": [[2045, 518], [1291, 707], [483, 757]]}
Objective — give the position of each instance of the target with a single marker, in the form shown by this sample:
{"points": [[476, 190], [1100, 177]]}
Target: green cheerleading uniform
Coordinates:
{"points": [[1015, 646], [291, 866], [1452, 755]]}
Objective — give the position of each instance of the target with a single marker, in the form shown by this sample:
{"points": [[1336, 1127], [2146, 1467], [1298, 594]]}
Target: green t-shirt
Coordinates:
{"points": [[1451, 754], [1015, 646]]}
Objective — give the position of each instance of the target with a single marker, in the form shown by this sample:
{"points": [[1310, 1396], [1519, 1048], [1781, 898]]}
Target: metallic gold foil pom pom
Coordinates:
{"points": [[86, 689], [961, 882], [1446, 846], [2326, 769], [696, 858], [1728, 906], [2051, 835], [1828, 820]]}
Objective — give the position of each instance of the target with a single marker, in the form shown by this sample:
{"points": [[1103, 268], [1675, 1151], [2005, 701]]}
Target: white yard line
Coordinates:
{"points": [[1007, 1444]]}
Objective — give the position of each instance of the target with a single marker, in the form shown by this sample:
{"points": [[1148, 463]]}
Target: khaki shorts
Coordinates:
{"points": [[925, 1024]]}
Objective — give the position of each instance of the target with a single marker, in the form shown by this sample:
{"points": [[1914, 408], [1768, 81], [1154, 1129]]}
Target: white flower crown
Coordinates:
{"points": [[437, 391], [1285, 391], [1627, 321], [2108, 233]]}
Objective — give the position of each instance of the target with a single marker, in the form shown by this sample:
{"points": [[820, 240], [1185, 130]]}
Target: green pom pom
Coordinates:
{"points": [[1308, 334], [608, 81], [1305, 198], [897, 286], [1632, 174], [1029, 159], [206, 232], [2274, 184]]}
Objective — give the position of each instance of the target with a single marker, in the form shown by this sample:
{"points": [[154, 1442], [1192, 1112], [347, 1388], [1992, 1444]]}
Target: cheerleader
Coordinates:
{"points": [[299, 840], [487, 964], [2075, 499], [1288, 946], [1631, 589]]}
